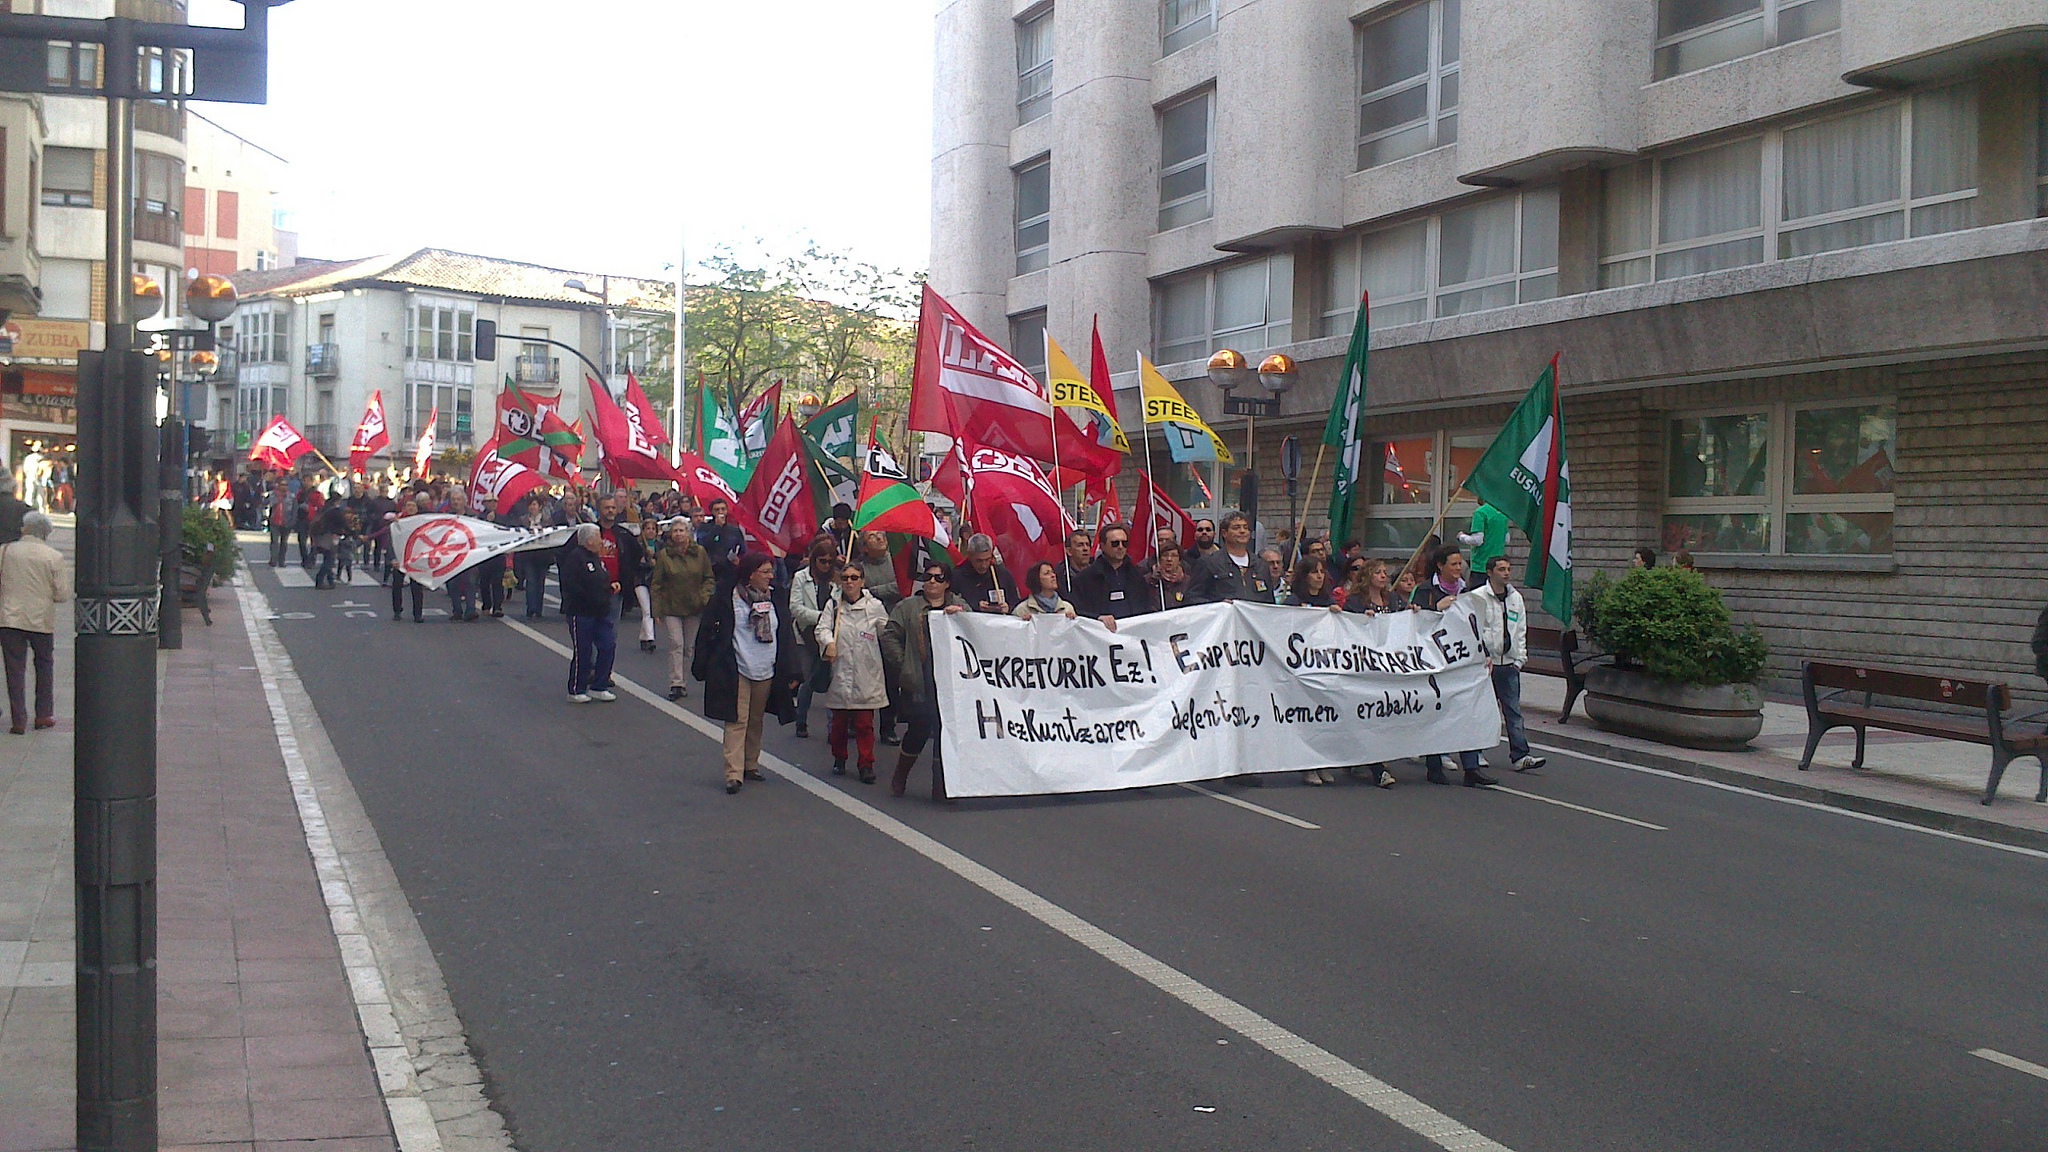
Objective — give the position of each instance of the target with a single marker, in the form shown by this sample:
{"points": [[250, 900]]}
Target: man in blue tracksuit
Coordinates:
{"points": [[589, 595]]}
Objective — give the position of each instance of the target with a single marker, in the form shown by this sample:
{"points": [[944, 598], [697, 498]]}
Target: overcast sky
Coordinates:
{"points": [[588, 133]]}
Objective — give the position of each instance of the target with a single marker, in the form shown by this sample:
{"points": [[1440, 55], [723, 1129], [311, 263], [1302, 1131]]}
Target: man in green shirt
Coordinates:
{"points": [[1487, 537]]}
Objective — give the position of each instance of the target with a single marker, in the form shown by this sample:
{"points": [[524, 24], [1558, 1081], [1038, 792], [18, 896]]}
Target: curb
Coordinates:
{"points": [[1958, 823]]}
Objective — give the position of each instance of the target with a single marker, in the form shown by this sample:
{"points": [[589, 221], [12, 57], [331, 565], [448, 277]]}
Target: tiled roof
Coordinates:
{"points": [[474, 275]]}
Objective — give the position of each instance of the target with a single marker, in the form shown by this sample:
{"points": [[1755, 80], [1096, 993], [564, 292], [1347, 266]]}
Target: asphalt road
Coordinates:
{"points": [[644, 962]]}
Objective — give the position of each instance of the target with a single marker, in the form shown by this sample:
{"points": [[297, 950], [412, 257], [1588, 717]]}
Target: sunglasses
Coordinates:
{"points": [[851, 576], [941, 577], [1116, 543]]}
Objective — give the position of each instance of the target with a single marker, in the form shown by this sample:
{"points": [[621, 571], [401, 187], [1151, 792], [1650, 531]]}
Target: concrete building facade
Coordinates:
{"points": [[313, 341], [1791, 252], [234, 203]]}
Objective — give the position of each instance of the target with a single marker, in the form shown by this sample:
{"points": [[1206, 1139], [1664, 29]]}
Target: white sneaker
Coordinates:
{"points": [[579, 698], [602, 694], [1530, 763]]}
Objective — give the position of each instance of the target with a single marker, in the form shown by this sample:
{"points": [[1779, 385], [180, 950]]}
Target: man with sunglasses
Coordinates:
{"points": [[907, 647], [1205, 537], [1112, 588]]}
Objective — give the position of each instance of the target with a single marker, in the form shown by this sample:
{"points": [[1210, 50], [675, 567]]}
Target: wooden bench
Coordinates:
{"points": [[1838, 709], [1562, 660]]}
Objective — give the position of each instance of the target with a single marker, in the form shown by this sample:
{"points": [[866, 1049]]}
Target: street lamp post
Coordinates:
{"points": [[1229, 369]]}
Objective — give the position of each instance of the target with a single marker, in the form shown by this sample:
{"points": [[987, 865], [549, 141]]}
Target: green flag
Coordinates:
{"points": [[1525, 475], [833, 427], [1345, 430], [831, 481], [723, 449]]}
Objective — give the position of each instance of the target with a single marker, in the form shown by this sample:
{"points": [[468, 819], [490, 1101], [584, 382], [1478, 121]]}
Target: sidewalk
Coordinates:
{"points": [[1913, 779], [259, 1048]]}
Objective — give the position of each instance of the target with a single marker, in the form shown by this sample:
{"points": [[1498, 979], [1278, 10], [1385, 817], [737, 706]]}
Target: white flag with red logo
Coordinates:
{"points": [[1155, 512], [424, 454], [280, 445], [779, 495], [433, 548], [372, 435], [967, 386], [1012, 501]]}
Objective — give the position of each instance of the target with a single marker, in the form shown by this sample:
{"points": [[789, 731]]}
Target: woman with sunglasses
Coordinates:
{"points": [[849, 636], [907, 645]]}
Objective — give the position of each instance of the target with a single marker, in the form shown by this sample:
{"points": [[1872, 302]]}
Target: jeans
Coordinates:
{"points": [[16, 644], [1469, 761], [1507, 688], [535, 566], [594, 641], [324, 576]]}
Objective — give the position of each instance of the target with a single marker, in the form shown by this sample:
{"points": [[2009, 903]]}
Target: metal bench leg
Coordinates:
{"points": [[1999, 759], [1858, 761], [1813, 734], [2041, 793], [1573, 687]]}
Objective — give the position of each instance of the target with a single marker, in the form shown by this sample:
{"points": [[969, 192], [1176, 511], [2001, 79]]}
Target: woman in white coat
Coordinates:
{"points": [[850, 641]]}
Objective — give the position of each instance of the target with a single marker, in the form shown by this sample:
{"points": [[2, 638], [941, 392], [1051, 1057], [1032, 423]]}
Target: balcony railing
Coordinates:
{"points": [[323, 360], [322, 437], [529, 369], [230, 365], [163, 227], [163, 117]]}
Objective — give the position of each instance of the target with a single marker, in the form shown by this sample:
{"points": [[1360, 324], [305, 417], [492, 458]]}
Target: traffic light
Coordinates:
{"points": [[486, 341]]}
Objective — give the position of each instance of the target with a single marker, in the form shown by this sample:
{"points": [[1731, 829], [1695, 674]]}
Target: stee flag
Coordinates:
{"points": [[1187, 436], [1525, 475], [1345, 430]]}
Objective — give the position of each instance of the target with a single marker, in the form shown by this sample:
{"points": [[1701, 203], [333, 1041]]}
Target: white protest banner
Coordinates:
{"points": [[433, 548], [1055, 705]]}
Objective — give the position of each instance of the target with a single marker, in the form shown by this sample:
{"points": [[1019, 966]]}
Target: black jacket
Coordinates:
{"points": [[718, 665], [634, 565], [586, 586], [1218, 578], [11, 512], [974, 588], [1122, 592]]}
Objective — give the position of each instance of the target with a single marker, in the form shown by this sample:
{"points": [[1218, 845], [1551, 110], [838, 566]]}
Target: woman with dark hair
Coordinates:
{"points": [[747, 657], [1169, 573], [1310, 587], [1444, 579], [1643, 558], [1042, 593]]}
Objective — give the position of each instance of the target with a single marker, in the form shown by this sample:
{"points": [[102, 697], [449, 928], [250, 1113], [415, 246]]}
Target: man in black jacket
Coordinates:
{"points": [[1232, 572], [621, 549], [1112, 588], [722, 538], [986, 585], [587, 593]]}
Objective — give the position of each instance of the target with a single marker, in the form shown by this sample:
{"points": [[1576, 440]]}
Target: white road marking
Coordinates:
{"points": [[292, 576], [1362, 1086], [1866, 817], [1248, 806], [2012, 1062], [1579, 808]]}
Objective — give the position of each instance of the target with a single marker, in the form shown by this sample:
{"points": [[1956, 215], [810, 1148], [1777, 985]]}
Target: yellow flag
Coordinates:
{"points": [[1185, 429], [1070, 389]]}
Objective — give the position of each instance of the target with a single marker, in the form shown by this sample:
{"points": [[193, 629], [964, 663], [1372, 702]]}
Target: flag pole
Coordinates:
{"points": [[1145, 430], [1308, 505], [1052, 425], [1433, 526]]}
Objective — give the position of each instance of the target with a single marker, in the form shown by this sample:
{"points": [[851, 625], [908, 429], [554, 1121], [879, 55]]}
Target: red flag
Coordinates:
{"points": [[629, 437], [779, 495], [966, 386], [703, 482], [1155, 512], [280, 445], [425, 452], [1013, 502], [371, 435], [1099, 489], [493, 477]]}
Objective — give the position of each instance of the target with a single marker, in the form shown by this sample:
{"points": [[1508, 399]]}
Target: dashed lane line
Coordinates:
{"points": [[1248, 806], [1578, 808], [2012, 1062], [1376, 1094]]}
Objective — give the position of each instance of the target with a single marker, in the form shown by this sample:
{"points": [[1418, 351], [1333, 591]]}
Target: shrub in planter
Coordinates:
{"points": [[209, 527], [1668, 621]]}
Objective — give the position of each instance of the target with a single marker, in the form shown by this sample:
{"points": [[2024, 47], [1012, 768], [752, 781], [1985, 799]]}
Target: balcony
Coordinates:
{"points": [[159, 227], [322, 438], [163, 117], [531, 369], [230, 365], [323, 360]]}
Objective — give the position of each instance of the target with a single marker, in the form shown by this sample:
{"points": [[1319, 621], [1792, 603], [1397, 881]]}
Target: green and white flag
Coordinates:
{"points": [[1345, 430], [1525, 475], [723, 449], [833, 428]]}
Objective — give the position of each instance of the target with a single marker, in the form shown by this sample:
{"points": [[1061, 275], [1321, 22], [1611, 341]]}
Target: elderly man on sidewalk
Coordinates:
{"points": [[32, 584]]}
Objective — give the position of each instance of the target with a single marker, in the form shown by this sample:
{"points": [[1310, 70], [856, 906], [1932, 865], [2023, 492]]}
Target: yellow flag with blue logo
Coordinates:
{"points": [[1188, 437]]}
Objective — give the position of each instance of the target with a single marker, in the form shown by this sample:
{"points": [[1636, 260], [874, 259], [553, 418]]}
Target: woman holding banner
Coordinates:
{"points": [[399, 580], [849, 635], [1440, 594], [907, 645], [1042, 593]]}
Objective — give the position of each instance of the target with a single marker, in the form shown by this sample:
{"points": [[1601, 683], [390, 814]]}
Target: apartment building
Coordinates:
{"points": [[312, 341], [234, 203], [1790, 250]]}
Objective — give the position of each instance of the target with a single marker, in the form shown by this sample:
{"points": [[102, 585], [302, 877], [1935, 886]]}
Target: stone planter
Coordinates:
{"points": [[1628, 701]]}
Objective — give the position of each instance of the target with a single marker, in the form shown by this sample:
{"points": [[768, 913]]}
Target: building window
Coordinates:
{"points": [[1406, 480], [1695, 34], [1034, 215], [1027, 341], [1248, 306], [1184, 131], [1786, 479], [262, 337], [452, 424], [1884, 172], [73, 65], [67, 177], [159, 199], [258, 403], [1489, 254], [1034, 67], [440, 332], [1182, 22], [1408, 82]]}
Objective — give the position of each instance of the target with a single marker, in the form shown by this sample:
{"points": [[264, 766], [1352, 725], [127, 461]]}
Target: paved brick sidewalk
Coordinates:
{"points": [[260, 1048]]}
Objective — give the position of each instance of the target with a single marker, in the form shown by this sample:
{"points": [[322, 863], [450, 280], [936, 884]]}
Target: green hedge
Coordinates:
{"points": [[1677, 628], [208, 526]]}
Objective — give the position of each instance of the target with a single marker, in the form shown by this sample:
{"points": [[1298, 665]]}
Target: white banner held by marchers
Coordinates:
{"points": [[434, 547], [1199, 693]]}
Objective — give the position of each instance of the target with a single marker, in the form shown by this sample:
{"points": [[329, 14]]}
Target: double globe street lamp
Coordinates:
{"points": [[1230, 370]]}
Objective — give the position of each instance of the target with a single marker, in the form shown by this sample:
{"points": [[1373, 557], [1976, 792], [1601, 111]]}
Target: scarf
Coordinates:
{"points": [[1046, 603], [764, 622]]}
